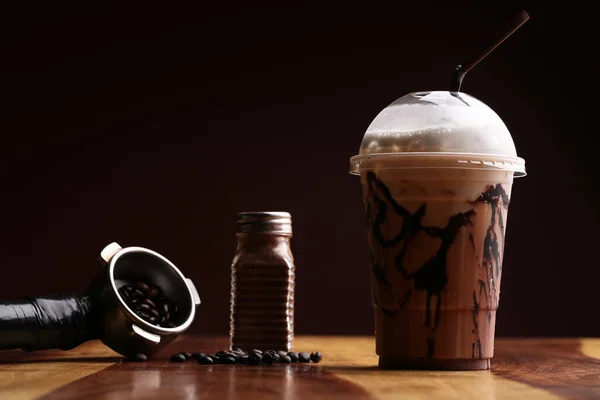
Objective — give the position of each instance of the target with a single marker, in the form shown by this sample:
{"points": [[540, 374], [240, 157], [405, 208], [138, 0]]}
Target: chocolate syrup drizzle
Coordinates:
{"points": [[379, 272], [387, 311], [432, 276], [476, 351], [495, 196]]}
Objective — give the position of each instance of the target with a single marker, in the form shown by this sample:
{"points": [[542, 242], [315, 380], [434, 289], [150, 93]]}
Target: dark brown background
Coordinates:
{"points": [[154, 126]]}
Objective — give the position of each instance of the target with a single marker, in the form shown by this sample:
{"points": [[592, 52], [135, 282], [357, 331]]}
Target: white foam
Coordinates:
{"points": [[438, 122]]}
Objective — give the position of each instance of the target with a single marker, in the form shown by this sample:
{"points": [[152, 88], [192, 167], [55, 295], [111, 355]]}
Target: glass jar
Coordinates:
{"points": [[262, 283]]}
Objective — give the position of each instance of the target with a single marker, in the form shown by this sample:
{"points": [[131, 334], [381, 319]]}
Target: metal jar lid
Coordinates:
{"points": [[274, 222]]}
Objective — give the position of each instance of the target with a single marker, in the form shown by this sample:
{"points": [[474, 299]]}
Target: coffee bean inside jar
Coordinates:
{"points": [[149, 303]]}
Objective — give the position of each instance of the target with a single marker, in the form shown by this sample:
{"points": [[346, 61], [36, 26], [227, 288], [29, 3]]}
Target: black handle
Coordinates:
{"points": [[50, 322]]}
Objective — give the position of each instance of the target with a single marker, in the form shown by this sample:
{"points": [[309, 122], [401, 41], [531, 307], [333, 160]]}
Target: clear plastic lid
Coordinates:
{"points": [[456, 128]]}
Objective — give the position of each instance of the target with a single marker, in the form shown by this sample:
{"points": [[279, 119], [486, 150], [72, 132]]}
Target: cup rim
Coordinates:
{"points": [[448, 160]]}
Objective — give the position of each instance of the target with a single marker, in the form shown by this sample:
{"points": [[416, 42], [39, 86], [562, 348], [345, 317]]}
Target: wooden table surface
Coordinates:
{"points": [[522, 369]]}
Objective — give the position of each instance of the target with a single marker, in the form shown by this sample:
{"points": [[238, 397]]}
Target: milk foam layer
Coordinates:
{"points": [[438, 122]]}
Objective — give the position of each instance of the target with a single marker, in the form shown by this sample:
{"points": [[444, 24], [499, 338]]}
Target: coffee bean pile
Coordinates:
{"points": [[150, 304], [253, 357]]}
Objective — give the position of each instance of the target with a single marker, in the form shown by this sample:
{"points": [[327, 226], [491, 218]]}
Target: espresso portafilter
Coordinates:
{"points": [[101, 313]]}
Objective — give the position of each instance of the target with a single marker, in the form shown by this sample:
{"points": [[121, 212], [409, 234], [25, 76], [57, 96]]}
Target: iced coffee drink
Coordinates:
{"points": [[436, 170]]}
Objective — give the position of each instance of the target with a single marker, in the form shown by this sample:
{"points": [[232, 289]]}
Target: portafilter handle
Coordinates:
{"points": [[49, 322]]}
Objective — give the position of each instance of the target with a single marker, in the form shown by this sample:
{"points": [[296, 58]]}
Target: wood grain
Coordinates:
{"points": [[31, 375], [522, 368]]}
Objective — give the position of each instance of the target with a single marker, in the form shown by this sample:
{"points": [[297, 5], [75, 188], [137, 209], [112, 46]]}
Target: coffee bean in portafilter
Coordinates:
{"points": [[253, 357], [149, 303]]}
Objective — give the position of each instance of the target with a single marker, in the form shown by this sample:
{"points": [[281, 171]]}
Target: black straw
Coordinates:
{"points": [[501, 36]]}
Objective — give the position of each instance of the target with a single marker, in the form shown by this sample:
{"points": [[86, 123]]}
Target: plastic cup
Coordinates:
{"points": [[436, 170]]}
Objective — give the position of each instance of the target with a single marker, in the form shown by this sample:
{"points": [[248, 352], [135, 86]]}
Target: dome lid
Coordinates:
{"points": [[440, 123]]}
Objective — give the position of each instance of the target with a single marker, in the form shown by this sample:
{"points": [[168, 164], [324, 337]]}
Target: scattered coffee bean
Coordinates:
{"points": [[255, 358], [242, 360], [285, 359], [171, 324], [269, 359], [226, 360], [136, 294], [316, 356], [222, 353], [205, 360], [178, 357], [139, 357], [142, 306]]}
